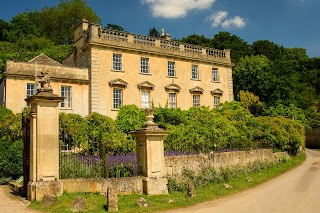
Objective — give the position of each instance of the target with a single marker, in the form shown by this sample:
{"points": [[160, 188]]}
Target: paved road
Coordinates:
{"points": [[297, 191], [10, 203]]}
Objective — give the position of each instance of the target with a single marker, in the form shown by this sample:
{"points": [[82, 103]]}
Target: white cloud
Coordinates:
{"points": [[220, 19], [217, 18], [236, 22], [176, 8]]}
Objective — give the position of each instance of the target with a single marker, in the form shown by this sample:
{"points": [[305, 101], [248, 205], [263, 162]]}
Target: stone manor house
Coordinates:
{"points": [[108, 69]]}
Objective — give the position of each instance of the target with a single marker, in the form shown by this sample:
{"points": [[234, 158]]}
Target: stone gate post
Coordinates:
{"points": [[150, 154], [44, 144]]}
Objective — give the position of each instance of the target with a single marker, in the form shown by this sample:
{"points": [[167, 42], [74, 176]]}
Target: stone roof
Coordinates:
{"points": [[45, 60]]}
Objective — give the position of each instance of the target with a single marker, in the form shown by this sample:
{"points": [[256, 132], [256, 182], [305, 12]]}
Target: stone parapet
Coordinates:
{"points": [[24, 70], [96, 35]]}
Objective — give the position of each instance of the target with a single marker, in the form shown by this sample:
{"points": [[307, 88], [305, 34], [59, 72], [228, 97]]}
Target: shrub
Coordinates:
{"points": [[129, 118], [169, 116], [73, 130], [4, 112], [281, 133], [11, 127], [11, 159]]}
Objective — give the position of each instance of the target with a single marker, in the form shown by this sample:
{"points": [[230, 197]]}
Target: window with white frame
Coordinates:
{"points": [[171, 69], [66, 93], [117, 62], [144, 66], [117, 98], [215, 76], [216, 101], [194, 72], [145, 99], [172, 100], [31, 89], [196, 100]]}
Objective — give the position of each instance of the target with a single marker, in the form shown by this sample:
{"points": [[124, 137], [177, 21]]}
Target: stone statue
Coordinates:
{"points": [[44, 83]]}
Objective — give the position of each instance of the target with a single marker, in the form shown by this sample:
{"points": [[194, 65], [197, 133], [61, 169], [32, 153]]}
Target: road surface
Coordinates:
{"points": [[10, 203], [297, 191]]}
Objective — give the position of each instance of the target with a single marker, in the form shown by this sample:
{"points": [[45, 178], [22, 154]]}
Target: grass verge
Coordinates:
{"points": [[96, 202]]}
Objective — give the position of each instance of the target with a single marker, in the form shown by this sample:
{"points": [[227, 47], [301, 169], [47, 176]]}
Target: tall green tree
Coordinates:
{"points": [[200, 40], [20, 26], [267, 48], [114, 27], [251, 73], [57, 22], [154, 32], [239, 47], [3, 26]]}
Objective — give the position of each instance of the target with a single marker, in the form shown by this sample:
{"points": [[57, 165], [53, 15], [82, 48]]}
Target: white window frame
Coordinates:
{"points": [[172, 100], [117, 62], [215, 75], [194, 72], [196, 100], [144, 65], [117, 98], [171, 69], [66, 92], [216, 101], [31, 89], [145, 99]]}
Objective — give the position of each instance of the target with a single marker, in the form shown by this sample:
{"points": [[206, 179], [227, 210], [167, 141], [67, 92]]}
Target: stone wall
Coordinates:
{"points": [[176, 164], [132, 185]]}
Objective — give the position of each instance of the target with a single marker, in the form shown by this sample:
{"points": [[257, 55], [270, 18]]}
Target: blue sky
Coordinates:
{"points": [[291, 23]]}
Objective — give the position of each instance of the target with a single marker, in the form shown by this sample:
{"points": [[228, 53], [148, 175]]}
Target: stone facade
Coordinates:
{"points": [[19, 74], [133, 69]]}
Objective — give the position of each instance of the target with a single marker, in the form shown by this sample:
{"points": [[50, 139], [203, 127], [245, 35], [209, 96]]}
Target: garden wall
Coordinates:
{"points": [[132, 185], [176, 164]]}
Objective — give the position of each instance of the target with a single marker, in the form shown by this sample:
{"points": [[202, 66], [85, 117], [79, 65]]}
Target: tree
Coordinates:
{"points": [[57, 22], [251, 73], [3, 26], [197, 40], [154, 32], [250, 101], [239, 47], [267, 48], [114, 27], [21, 26], [295, 53]]}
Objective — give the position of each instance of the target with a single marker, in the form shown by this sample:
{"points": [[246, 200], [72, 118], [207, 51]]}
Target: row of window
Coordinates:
{"points": [[118, 97], [65, 92], [144, 68], [146, 102]]}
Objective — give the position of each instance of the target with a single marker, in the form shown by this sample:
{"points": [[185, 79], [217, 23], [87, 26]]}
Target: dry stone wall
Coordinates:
{"points": [[176, 164]]}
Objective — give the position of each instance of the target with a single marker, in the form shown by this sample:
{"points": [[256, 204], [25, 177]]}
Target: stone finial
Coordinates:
{"points": [[45, 83], [149, 117]]}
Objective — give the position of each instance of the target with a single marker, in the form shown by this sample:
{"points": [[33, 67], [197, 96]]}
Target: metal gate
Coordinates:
{"points": [[26, 151]]}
